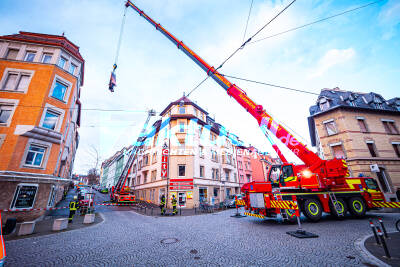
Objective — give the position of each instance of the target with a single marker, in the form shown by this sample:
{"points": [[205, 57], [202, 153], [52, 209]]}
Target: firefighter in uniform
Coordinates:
{"points": [[173, 201], [73, 206], [162, 205]]}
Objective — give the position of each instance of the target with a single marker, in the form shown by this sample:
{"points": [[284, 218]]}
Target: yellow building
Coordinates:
{"points": [[40, 80], [363, 129]]}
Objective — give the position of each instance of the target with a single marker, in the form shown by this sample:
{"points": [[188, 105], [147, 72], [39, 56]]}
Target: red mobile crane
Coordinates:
{"points": [[317, 185], [121, 193]]}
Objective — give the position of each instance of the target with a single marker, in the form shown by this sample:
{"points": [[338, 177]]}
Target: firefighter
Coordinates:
{"points": [[73, 206], [162, 205], [173, 201]]}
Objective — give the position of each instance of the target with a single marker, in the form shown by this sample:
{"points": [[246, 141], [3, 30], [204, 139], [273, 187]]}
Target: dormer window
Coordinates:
{"points": [[352, 101], [182, 110], [323, 104], [378, 103], [398, 105]]}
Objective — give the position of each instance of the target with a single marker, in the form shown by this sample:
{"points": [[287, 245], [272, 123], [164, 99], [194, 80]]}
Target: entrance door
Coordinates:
{"points": [[203, 194], [182, 199]]}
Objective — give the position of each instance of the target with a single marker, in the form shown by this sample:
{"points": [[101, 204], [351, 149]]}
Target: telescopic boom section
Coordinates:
{"points": [[265, 121]]}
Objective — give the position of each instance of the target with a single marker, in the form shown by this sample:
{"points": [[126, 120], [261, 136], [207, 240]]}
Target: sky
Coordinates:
{"points": [[358, 51]]}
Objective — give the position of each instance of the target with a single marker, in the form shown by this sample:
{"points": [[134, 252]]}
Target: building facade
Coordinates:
{"points": [[40, 80], [111, 169], [363, 129]]}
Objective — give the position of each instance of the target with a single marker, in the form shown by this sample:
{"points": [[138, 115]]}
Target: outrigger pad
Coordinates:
{"points": [[302, 234], [238, 215]]}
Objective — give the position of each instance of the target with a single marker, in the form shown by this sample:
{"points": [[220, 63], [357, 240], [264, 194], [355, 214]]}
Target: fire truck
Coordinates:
{"points": [[122, 193], [312, 188]]}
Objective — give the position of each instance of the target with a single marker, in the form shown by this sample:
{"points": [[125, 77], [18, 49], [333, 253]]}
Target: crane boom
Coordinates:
{"points": [[265, 120], [330, 171]]}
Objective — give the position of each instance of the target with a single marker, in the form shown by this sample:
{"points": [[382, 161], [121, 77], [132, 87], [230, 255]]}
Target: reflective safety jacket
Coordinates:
{"points": [[73, 205], [174, 202], [2, 246], [162, 203]]}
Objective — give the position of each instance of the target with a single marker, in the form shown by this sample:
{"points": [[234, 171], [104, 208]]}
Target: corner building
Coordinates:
{"points": [[40, 80], [201, 164], [361, 128]]}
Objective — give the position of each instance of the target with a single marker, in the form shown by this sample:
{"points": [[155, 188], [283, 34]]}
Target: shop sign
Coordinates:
{"points": [[164, 162]]}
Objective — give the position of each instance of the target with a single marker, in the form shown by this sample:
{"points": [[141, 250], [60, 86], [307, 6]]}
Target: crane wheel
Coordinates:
{"points": [[312, 209], [357, 207], [338, 210]]}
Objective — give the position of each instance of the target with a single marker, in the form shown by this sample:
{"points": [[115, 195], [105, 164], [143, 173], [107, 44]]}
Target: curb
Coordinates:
{"points": [[365, 254]]}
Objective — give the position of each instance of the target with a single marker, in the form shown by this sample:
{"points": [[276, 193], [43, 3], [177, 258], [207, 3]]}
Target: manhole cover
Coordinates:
{"points": [[193, 251], [350, 257], [197, 258], [169, 240]]}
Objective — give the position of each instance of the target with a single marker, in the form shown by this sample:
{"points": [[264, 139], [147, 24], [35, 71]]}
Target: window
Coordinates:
{"points": [[24, 197], [323, 104], [213, 174], [154, 159], [182, 110], [145, 177], [35, 156], [59, 90], [330, 127], [396, 147], [52, 197], [195, 112], [72, 69], [62, 62], [46, 58], [5, 113], [146, 160], [362, 124], [181, 127], [227, 176], [216, 174], [153, 175], [371, 147], [240, 165], [235, 177], [390, 127], [201, 152], [181, 170], [201, 171], [12, 54], [30, 56], [248, 178], [50, 120], [16, 81], [338, 151]]}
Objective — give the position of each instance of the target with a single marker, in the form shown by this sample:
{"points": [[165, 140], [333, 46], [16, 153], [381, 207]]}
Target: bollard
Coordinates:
{"points": [[195, 210], [383, 227], [145, 210], [180, 210], [374, 231], [383, 242], [151, 211]]}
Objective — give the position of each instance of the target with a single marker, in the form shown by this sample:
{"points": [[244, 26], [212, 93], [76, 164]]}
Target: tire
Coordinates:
{"points": [[340, 209], [357, 207], [312, 209], [398, 225]]}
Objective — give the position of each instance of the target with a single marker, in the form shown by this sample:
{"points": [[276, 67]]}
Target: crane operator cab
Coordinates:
{"points": [[282, 175]]}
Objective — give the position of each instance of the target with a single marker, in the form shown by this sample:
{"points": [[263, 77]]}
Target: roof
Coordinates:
{"points": [[186, 101], [337, 98], [47, 39]]}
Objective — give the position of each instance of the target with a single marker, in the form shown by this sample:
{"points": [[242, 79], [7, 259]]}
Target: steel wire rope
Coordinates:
{"points": [[314, 22], [247, 22], [242, 46], [89, 109]]}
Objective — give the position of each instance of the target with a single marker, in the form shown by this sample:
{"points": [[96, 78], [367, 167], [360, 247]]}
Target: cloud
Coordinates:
{"points": [[389, 19], [332, 58]]}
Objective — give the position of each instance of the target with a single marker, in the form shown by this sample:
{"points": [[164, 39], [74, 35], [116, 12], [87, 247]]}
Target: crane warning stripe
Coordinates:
{"points": [[254, 215], [284, 204], [386, 204], [240, 202]]}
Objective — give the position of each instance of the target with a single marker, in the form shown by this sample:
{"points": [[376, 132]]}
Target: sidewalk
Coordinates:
{"points": [[44, 227], [393, 244]]}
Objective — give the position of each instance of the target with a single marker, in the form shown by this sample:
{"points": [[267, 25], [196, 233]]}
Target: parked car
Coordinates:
{"points": [[104, 190], [230, 200]]}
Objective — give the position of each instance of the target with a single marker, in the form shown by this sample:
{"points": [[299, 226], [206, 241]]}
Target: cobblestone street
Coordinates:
{"points": [[126, 238]]}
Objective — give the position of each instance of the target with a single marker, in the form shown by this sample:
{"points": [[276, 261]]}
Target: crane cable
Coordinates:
{"points": [[113, 81], [242, 46], [247, 22]]}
